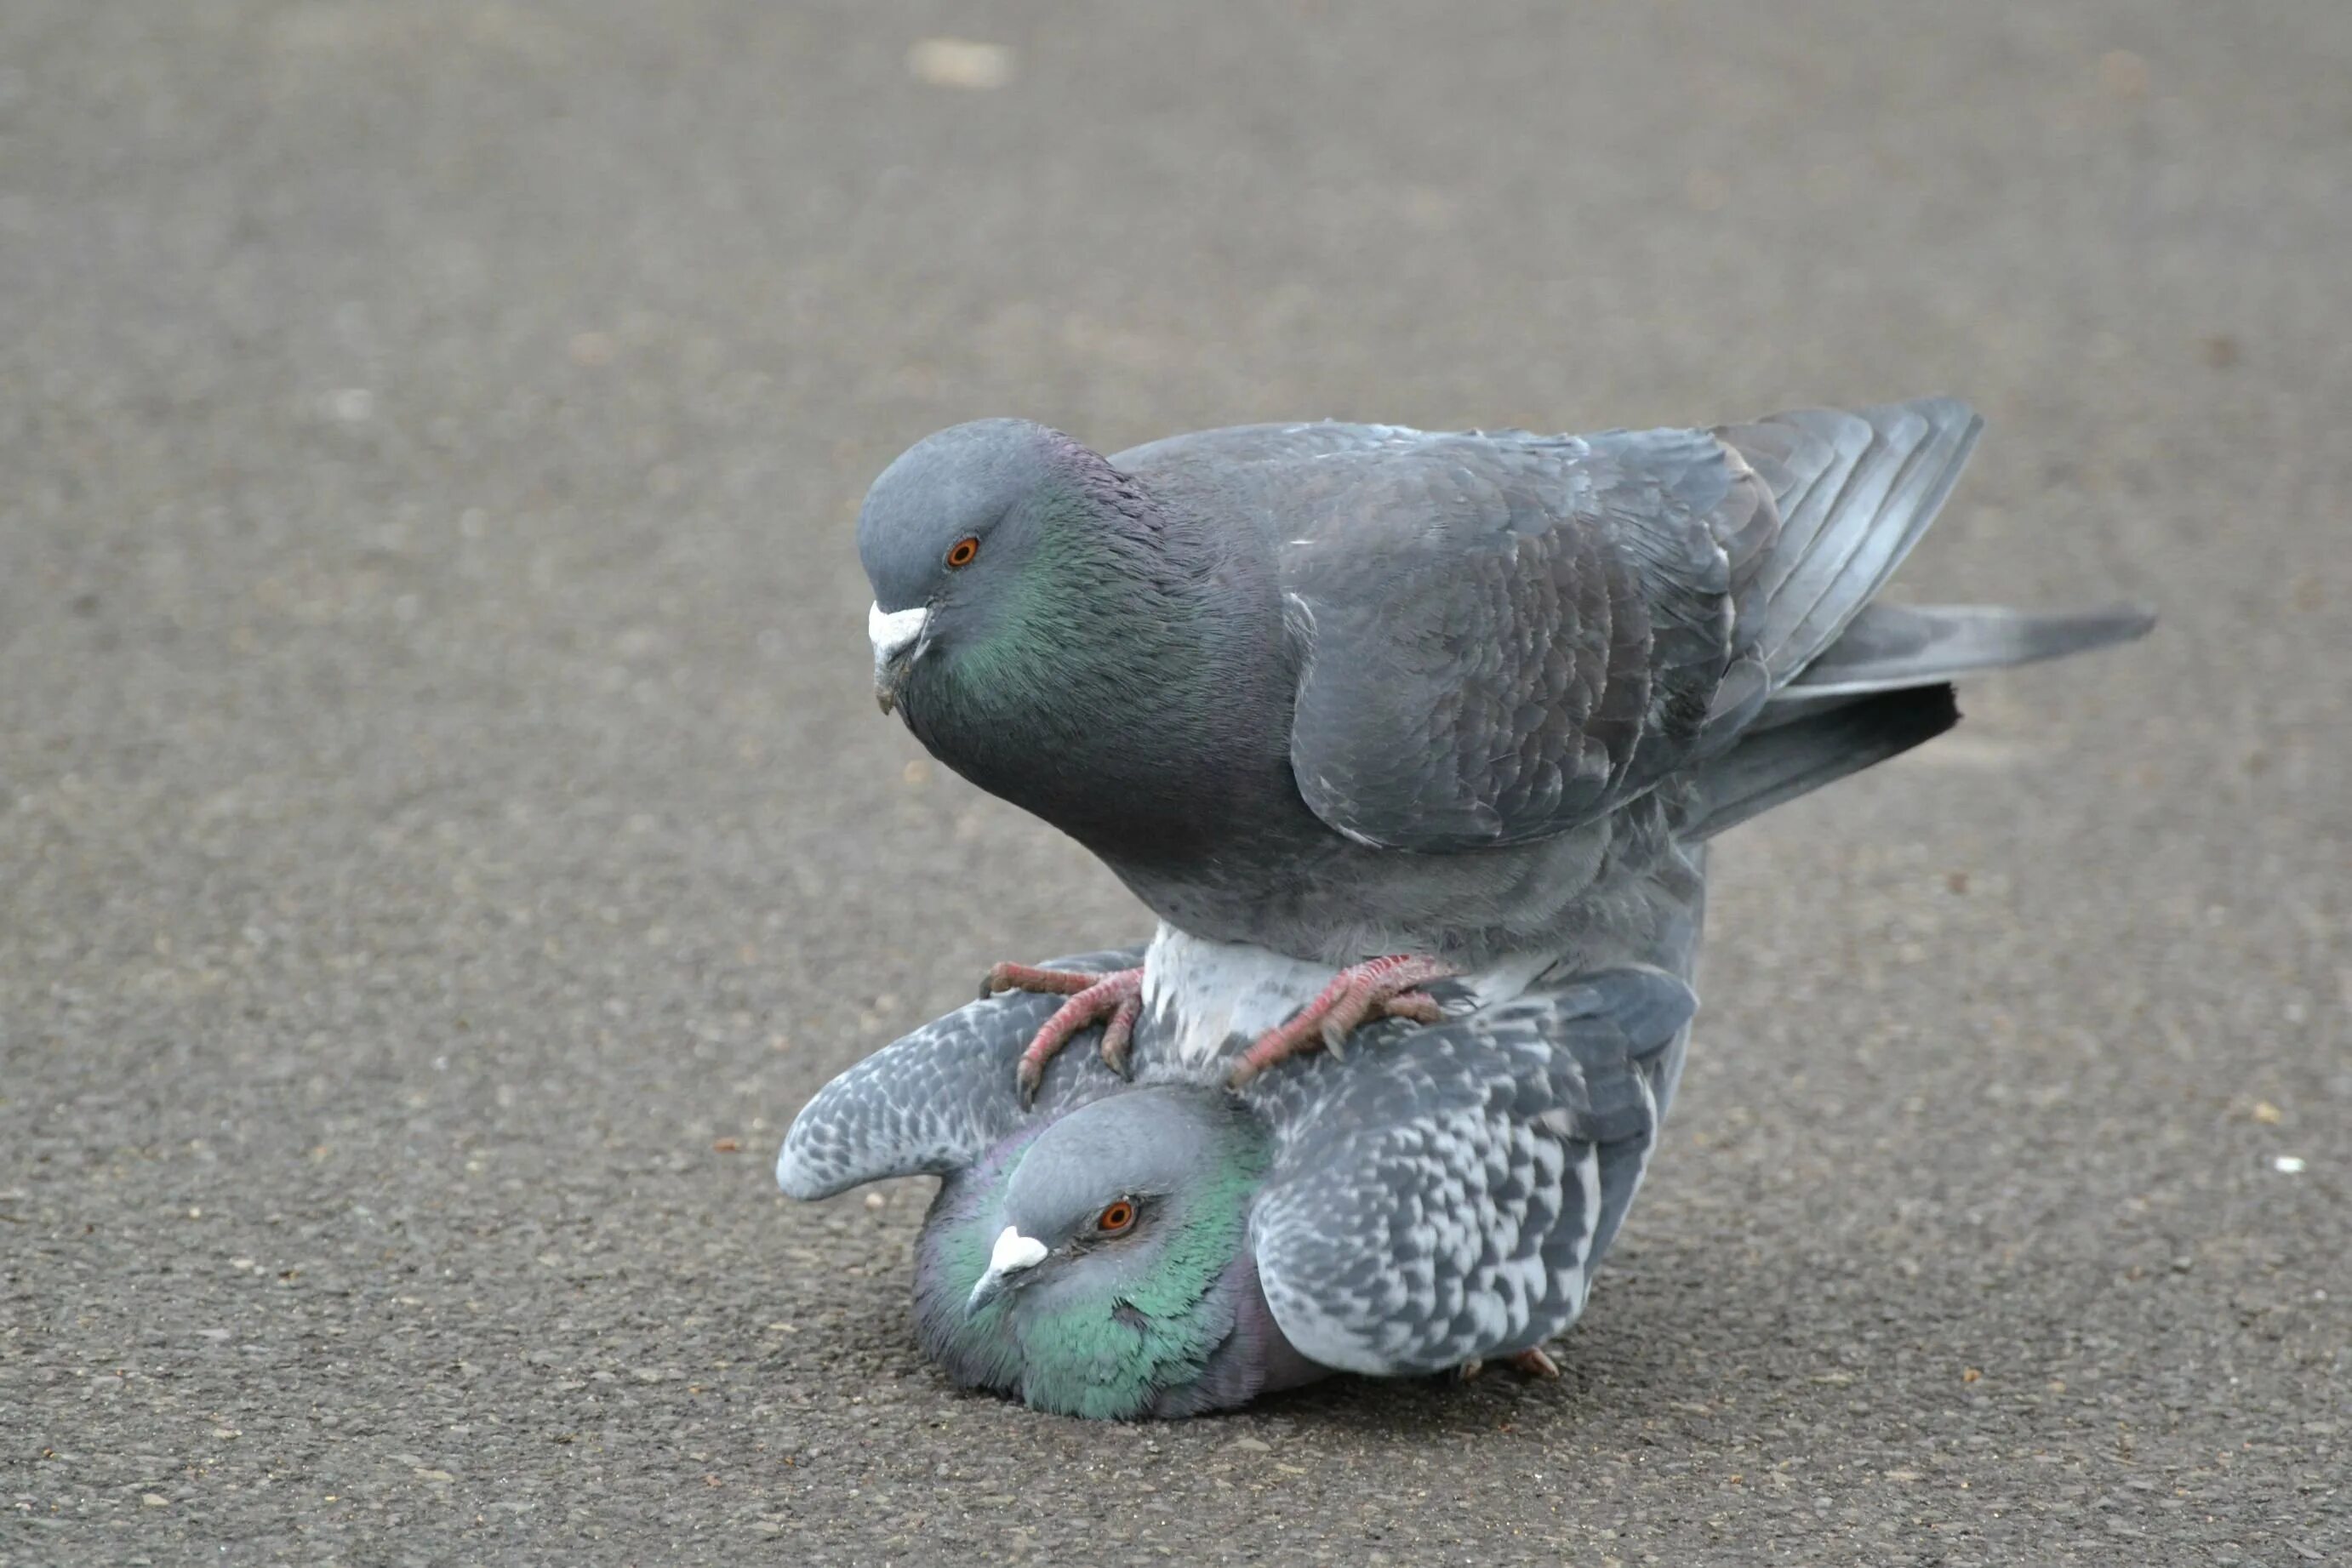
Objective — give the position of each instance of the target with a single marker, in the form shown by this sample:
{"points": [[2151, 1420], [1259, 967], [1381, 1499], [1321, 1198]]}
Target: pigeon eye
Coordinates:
{"points": [[960, 553], [1115, 1219]]}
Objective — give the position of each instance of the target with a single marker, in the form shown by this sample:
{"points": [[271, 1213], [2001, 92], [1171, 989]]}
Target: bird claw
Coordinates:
{"points": [[1114, 999], [1530, 1362], [1419, 1007], [1004, 978], [1361, 994], [1118, 1037], [1533, 1363]]}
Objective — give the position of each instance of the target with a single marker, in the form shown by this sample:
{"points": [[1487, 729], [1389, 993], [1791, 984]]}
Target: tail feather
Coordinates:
{"points": [[1855, 491], [1844, 682], [1772, 766], [1889, 646]]}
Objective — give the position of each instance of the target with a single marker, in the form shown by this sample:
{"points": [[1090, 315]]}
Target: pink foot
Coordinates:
{"points": [[1115, 1000], [1533, 1364], [1526, 1363], [1377, 988]]}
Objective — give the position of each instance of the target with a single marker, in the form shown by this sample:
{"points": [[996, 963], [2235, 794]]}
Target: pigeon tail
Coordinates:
{"points": [[1855, 491], [1779, 764], [1890, 647]]}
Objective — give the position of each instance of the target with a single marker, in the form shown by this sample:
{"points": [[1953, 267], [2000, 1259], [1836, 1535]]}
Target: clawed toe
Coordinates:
{"points": [[1531, 1362], [1119, 1036], [1028, 978], [1534, 1362], [1115, 1000], [1362, 993], [1418, 1006]]}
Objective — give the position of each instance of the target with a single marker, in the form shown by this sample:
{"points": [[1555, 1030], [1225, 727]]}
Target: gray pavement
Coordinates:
{"points": [[444, 833]]}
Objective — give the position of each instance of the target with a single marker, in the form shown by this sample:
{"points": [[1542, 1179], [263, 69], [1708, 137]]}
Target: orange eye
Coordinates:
{"points": [[1115, 1219], [962, 553]]}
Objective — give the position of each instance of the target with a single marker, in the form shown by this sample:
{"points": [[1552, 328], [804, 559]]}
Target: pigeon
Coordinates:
{"points": [[1163, 1245], [1177, 1227], [1355, 709]]}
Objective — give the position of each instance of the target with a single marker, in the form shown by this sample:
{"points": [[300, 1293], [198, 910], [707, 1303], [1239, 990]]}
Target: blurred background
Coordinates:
{"points": [[445, 832]]}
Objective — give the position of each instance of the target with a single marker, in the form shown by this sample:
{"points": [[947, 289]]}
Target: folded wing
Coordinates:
{"points": [[1504, 635], [1447, 1195]]}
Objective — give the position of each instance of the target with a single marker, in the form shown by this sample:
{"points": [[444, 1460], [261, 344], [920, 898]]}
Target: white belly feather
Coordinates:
{"points": [[1204, 997]]}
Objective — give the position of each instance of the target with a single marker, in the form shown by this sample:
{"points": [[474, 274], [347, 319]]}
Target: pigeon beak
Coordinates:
{"points": [[1013, 1255], [892, 633]]}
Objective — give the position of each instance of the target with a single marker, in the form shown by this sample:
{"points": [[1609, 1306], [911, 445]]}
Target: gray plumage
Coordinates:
{"points": [[1442, 1195], [1342, 690], [1318, 693]]}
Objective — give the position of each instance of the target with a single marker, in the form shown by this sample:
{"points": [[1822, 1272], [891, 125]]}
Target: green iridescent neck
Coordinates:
{"points": [[1107, 1355], [1111, 591], [1108, 1359], [1070, 698]]}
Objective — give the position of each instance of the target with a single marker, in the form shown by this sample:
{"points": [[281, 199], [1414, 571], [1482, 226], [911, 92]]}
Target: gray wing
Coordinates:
{"points": [[1504, 635], [1237, 452], [1446, 1192], [937, 1099]]}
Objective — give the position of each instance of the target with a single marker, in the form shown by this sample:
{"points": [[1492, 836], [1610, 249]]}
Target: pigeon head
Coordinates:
{"points": [[1061, 635], [1099, 1267], [974, 538]]}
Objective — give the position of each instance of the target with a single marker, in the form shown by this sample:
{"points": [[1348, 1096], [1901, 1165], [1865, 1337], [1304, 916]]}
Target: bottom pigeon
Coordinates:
{"points": [[1162, 1246]]}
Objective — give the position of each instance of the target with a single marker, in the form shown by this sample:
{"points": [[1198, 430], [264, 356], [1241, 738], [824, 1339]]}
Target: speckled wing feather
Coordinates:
{"points": [[1448, 1195], [932, 1102]]}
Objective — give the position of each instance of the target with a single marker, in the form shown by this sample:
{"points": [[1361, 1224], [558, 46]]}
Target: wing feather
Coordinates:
{"points": [[1447, 1196], [1508, 633], [934, 1100], [1502, 636]]}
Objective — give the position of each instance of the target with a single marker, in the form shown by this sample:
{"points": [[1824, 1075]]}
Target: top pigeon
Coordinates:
{"points": [[1403, 704]]}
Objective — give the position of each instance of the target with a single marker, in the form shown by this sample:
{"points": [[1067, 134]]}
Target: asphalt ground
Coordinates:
{"points": [[445, 833]]}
